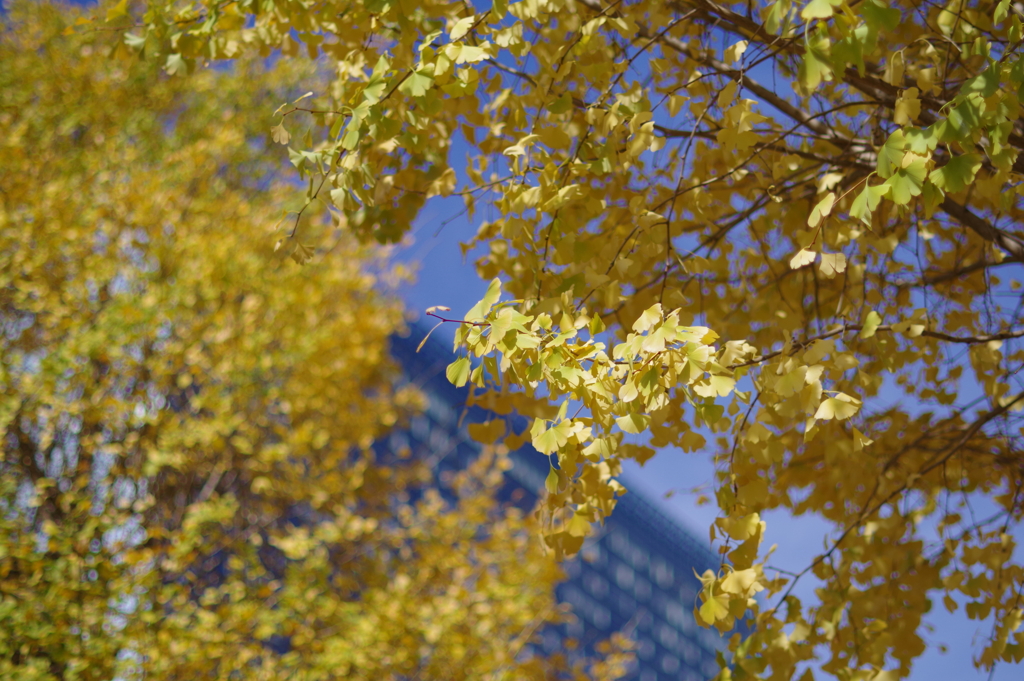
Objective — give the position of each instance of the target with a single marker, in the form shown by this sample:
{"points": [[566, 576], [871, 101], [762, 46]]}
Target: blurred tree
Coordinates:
{"points": [[831, 188], [187, 487]]}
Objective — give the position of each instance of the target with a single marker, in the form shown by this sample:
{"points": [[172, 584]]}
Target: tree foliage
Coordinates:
{"points": [[187, 488], [790, 227]]}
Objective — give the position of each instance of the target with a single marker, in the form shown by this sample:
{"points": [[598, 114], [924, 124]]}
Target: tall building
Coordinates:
{"points": [[636, 574]]}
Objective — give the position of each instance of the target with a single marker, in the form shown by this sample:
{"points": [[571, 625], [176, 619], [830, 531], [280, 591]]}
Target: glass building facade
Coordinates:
{"points": [[635, 574]]}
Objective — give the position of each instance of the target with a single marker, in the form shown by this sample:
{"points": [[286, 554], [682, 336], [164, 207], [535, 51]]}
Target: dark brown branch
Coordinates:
{"points": [[1011, 244]]}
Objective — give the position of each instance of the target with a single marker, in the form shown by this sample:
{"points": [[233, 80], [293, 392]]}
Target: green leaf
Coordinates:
{"points": [[175, 65], [985, 83], [561, 105], [878, 15], [863, 207], [921, 141], [458, 372], [870, 325], [907, 182], [117, 11], [417, 84], [776, 16], [963, 119], [480, 310], [890, 156], [957, 174], [1000, 12], [816, 64]]}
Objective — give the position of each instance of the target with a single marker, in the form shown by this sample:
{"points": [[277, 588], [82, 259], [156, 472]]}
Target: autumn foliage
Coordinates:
{"points": [[189, 488], [782, 234]]}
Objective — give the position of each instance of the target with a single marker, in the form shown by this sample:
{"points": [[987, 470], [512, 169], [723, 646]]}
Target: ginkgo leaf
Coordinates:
{"points": [[891, 154], [864, 205], [550, 440], [649, 318], [628, 392], [280, 134], [832, 264], [802, 258], [417, 84], [819, 9], [519, 149], [742, 582], [821, 210], [633, 423], [714, 609], [860, 441], [458, 372], [741, 528], [551, 481], [957, 174], [907, 182], [815, 66], [487, 432], [461, 27], [840, 408], [871, 322], [579, 525], [734, 52], [908, 107], [716, 386]]}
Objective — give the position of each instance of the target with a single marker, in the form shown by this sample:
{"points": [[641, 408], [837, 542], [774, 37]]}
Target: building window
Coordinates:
{"points": [[667, 637], [595, 584], [642, 589], [662, 573], [624, 576]]}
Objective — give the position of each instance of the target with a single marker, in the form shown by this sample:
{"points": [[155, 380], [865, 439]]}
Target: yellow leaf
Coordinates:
{"points": [[860, 441], [742, 582], [908, 107], [870, 325], [633, 424], [649, 318], [579, 526], [803, 257], [461, 28], [821, 210], [741, 528], [818, 9], [735, 52], [839, 407], [487, 432], [832, 264], [714, 609]]}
